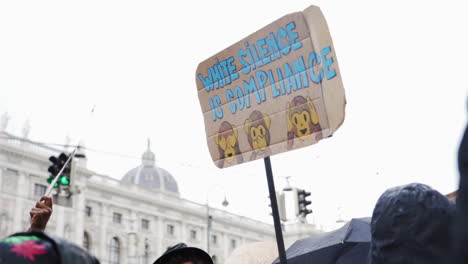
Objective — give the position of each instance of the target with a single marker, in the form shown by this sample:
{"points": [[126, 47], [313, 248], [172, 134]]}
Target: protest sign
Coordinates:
{"points": [[276, 90]]}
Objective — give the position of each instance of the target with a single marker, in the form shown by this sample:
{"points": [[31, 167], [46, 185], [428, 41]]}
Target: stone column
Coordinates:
{"points": [[79, 207], [132, 248], [133, 239], [160, 237], [183, 231], [226, 246], [59, 228], [20, 212], [1, 175], [103, 250]]}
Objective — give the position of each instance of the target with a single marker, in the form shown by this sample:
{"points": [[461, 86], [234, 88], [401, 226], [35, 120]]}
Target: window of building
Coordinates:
{"points": [[86, 242], [117, 218], [114, 251], [233, 243], [214, 239], [145, 224], [214, 258], [39, 189], [170, 230], [88, 211], [193, 234]]}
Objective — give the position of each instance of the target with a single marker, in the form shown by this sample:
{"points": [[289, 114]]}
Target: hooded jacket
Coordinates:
{"points": [[460, 254], [411, 224]]}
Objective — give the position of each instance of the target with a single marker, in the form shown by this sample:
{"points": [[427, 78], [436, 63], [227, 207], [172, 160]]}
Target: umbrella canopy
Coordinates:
{"points": [[349, 244]]}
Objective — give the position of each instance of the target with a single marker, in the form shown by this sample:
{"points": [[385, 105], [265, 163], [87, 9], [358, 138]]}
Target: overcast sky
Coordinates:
{"points": [[403, 65]]}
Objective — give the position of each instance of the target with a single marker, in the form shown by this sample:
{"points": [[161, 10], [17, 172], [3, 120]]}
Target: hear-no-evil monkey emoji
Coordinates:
{"points": [[228, 144], [302, 120], [257, 128]]}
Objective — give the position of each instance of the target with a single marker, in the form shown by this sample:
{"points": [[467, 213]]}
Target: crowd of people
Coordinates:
{"points": [[410, 224]]}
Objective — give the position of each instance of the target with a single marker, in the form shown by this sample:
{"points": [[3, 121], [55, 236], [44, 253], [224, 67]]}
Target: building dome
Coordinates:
{"points": [[150, 176]]}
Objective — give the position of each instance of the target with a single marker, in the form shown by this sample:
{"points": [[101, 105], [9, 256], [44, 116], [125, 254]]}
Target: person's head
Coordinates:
{"points": [[37, 247], [181, 254], [411, 224]]}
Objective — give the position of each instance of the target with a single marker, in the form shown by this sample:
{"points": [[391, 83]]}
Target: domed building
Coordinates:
{"points": [[128, 221], [150, 176]]}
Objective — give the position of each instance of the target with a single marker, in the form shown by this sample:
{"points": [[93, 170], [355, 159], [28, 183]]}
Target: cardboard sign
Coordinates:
{"points": [[276, 90]]}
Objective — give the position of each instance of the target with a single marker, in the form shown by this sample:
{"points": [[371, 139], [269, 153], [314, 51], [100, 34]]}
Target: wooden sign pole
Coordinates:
{"points": [[274, 208]]}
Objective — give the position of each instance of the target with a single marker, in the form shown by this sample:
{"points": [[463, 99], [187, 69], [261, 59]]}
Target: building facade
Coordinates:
{"points": [[132, 220]]}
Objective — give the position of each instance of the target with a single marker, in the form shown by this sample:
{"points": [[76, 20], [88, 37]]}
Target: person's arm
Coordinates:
{"points": [[40, 214]]}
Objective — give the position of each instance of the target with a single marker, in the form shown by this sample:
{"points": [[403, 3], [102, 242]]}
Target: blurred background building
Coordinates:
{"points": [[132, 220]]}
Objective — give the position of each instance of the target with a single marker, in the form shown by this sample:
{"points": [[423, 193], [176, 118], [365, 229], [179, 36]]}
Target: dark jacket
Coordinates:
{"points": [[411, 224], [460, 253], [40, 248]]}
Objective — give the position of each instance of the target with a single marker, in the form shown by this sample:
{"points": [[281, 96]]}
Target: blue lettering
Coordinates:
{"points": [[246, 66], [280, 80], [283, 34], [229, 97], [251, 87], [213, 112], [300, 69], [274, 91], [314, 58], [216, 110], [273, 47], [221, 79], [291, 81], [215, 76], [224, 73], [219, 110], [256, 57], [293, 36], [262, 80], [206, 81], [239, 97], [263, 51], [327, 62], [249, 52], [232, 69]]}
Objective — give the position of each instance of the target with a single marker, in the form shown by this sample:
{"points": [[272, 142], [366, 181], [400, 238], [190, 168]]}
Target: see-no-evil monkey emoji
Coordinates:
{"points": [[257, 128], [302, 120], [228, 144]]}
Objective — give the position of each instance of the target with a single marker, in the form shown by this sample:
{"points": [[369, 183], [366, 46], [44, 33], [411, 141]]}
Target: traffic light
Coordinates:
{"points": [[65, 177], [280, 199], [57, 165], [302, 203]]}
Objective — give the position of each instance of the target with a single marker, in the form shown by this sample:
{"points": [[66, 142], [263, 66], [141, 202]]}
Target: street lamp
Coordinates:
{"points": [[209, 218]]}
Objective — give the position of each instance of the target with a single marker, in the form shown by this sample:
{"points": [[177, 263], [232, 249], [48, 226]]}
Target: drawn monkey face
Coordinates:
{"points": [[226, 139], [257, 128], [302, 117]]}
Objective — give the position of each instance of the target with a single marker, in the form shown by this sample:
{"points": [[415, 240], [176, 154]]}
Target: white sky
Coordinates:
{"points": [[403, 65]]}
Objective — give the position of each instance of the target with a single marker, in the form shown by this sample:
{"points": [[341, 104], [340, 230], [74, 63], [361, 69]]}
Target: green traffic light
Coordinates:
{"points": [[64, 180], [50, 179]]}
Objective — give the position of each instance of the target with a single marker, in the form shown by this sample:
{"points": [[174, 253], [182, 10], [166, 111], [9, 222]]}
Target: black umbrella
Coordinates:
{"points": [[347, 245]]}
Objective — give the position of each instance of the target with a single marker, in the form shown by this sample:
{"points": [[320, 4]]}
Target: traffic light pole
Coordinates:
{"points": [[51, 185], [274, 208]]}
